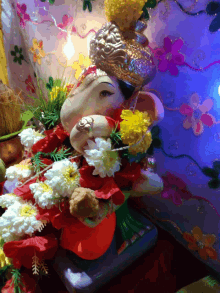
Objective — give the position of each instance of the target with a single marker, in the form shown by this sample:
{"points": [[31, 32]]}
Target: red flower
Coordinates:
{"points": [[29, 285], [44, 247], [175, 189], [110, 186], [53, 140], [91, 69], [30, 86], [25, 191]]}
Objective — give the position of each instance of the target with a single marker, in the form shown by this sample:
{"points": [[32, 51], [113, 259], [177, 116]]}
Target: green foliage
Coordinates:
{"points": [[54, 156], [47, 111], [87, 3], [115, 137], [16, 280], [3, 273]]}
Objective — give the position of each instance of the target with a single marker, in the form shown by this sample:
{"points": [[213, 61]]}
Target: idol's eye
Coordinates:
{"points": [[104, 94]]}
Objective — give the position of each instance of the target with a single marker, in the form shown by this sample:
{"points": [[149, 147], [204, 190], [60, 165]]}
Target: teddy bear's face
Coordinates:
{"points": [[101, 96]]}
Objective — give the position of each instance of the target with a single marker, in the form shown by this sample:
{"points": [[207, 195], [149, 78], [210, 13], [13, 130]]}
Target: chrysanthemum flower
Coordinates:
{"points": [[19, 219], [63, 177], [29, 137], [99, 155], [134, 128], [20, 171], [44, 195], [8, 199]]}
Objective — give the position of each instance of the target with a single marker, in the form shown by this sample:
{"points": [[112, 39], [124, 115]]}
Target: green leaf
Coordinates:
{"points": [[216, 166], [51, 81], [90, 6], [19, 61], [15, 59], [51, 1], [43, 0], [16, 49], [145, 14], [20, 51], [210, 172], [214, 183], [157, 143], [21, 57], [57, 82], [151, 3], [13, 53], [48, 86], [84, 5]]}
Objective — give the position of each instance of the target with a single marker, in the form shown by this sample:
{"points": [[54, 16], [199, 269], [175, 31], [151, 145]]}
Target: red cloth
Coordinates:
{"points": [[89, 243], [1, 187]]}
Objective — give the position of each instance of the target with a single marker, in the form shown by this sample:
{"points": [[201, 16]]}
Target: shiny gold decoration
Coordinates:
{"points": [[122, 54], [2, 170], [3, 63]]}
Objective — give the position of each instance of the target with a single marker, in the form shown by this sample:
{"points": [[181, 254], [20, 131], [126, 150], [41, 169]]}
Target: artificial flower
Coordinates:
{"points": [[56, 90], [24, 191], [66, 21], [8, 199], [80, 65], [134, 129], [37, 51], [63, 177], [23, 16], [175, 189], [20, 171], [169, 56], [19, 219], [90, 70], [53, 140], [18, 56], [22, 252], [100, 155], [29, 137], [69, 87], [202, 243], [44, 195], [30, 86], [196, 114], [124, 13]]}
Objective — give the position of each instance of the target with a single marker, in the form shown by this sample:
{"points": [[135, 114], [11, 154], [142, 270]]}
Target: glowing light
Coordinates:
{"points": [[69, 49], [219, 90]]}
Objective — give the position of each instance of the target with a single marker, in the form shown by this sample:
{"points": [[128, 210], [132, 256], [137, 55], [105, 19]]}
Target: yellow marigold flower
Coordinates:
{"points": [[37, 51], [55, 91], [80, 65], [124, 12], [134, 128], [4, 260]]}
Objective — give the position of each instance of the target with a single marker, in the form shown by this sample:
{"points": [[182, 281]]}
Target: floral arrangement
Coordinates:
{"points": [[57, 187]]}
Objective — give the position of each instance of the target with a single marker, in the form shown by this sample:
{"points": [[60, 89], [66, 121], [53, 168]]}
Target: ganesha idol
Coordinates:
{"points": [[107, 92]]}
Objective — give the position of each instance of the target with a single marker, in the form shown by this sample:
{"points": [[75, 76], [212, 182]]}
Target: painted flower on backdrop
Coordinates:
{"points": [[23, 16], [169, 56], [80, 65], [196, 114], [202, 243], [41, 4], [175, 189], [17, 54], [30, 86], [37, 51], [66, 21], [213, 8]]}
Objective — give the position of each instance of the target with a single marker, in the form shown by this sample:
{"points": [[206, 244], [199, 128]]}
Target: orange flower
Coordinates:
{"points": [[197, 241], [37, 51]]}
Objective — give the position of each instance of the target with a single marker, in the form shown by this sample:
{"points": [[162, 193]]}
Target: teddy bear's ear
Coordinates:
{"points": [[150, 103]]}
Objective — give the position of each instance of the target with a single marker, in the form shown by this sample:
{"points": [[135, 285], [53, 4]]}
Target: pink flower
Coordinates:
{"points": [[66, 22], [30, 86], [169, 56], [23, 16], [196, 114], [175, 189]]}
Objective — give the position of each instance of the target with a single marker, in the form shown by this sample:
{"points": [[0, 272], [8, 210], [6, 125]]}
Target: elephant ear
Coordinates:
{"points": [[150, 103]]}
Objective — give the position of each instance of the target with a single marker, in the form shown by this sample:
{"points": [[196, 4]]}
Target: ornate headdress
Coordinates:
{"points": [[119, 47]]}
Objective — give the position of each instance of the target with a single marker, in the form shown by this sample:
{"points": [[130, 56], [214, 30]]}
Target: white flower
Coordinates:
{"points": [[8, 199], [19, 171], [29, 137], [19, 219], [63, 177], [44, 195], [99, 155]]}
